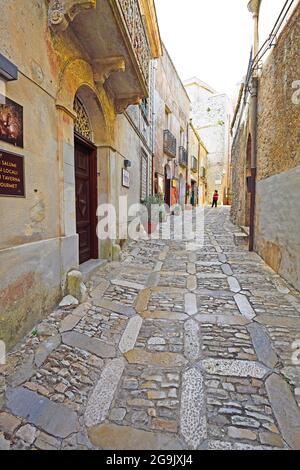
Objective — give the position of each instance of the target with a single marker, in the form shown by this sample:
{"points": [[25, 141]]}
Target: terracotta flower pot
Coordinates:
{"points": [[150, 227]]}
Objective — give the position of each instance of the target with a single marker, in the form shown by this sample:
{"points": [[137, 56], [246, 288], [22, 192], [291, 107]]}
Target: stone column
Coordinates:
{"points": [[66, 159]]}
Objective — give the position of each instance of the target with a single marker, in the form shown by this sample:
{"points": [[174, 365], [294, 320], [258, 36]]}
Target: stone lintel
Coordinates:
{"points": [[62, 12], [103, 68]]}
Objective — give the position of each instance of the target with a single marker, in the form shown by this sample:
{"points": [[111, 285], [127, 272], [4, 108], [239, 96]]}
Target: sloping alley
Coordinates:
{"points": [[175, 349]]}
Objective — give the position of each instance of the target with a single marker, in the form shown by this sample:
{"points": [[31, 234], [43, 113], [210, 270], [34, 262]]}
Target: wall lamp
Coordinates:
{"points": [[8, 71], [127, 163]]}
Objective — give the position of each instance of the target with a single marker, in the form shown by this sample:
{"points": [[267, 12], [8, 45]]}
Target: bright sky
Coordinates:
{"points": [[211, 39]]}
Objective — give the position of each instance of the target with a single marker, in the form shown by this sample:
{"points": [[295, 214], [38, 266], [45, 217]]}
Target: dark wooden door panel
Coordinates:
{"points": [[85, 187]]}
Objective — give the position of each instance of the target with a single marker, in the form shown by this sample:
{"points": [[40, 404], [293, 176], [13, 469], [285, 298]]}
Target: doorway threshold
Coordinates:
{"points": [[90, 267]]}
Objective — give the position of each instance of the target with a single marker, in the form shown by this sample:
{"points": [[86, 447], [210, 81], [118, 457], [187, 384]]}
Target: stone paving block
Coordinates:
{"points": [[27, 433], [277, 320], [193, 424], [45, 349], [23, 372], [191, 268], [102, 396], [222, 319], [262, 345], [69, 322], [130, 285], [158, 266], [285, 410], [234, 284], [115, 307], [235, 368], [53, 418], [190, 302], [142, 300], [4, 443], [192, 283], [153, 279], [99, 290], [164, 359], [222, 258], [9, 423], [46, 442], [192, 348], [226, 268], [130, 334], [244, 306], [92, 345], [113, 437], [82, 309], [164, 315]]}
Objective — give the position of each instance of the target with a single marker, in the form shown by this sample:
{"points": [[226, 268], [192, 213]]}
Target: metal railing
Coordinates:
{"points": [[183, 156], [194, 164], [169, 144]]}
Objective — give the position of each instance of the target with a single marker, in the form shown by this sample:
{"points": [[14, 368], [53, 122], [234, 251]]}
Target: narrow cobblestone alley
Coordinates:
{"points": [[175, 349]]}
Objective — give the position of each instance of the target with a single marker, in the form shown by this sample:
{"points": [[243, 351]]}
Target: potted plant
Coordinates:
{"points": [[150, 217]]}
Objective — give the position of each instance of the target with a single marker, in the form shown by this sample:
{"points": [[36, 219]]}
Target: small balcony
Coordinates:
{"points": [[169, 144], [120, 37], [183, 157], [194, 164], [202, 172]]}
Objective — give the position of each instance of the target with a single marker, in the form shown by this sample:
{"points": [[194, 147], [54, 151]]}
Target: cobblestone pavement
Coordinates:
{"points": [[175, 349]]}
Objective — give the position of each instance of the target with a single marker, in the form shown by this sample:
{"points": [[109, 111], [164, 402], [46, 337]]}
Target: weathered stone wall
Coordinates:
{"points": [[211, 113], [38, 240], [278, 157], [277, 213], [279, 109], [170, 92], [238, 161]]}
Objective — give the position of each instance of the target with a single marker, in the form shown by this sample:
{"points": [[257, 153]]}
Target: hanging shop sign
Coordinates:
{"points": [[125, 178], [11, 122], [12, 181]]}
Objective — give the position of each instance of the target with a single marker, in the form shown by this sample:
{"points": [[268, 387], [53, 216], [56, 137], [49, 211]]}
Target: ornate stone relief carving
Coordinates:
{"points": [[103, 68], [82, 123], [62, 12], [133, 20], [122, 104]]}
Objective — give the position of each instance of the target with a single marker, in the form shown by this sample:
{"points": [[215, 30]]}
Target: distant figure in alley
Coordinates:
{"points": [[215, 199]]}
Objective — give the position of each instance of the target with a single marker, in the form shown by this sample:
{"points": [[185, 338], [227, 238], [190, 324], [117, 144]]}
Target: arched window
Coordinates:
{"points": [[82, 123]]}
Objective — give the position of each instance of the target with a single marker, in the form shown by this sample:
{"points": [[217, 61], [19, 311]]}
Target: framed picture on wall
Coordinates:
{"points": [[11, 122], [125, 178]]}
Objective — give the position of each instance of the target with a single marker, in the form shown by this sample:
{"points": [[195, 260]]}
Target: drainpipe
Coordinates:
{"points": [[188, 158], [254, 8]]}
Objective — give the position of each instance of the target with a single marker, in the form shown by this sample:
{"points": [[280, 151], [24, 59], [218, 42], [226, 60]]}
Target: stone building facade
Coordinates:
{"points": [[82, 71], [197, 168], [277, 189], [211, 114], [172, 114]]}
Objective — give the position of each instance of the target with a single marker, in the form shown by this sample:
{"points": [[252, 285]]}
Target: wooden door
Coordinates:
{"points": [[86, 199]]}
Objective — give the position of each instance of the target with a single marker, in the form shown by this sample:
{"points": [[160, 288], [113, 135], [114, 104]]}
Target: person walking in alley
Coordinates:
{"points": [[215, 199]]}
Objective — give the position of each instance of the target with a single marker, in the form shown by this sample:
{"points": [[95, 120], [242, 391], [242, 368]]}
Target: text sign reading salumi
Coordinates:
{"points": [[11, 175]]}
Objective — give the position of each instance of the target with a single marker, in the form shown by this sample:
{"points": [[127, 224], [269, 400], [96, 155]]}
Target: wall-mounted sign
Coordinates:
{"points": [[12, 181], [125, 178], [174, 183], [160, 184], [11, 122]]}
